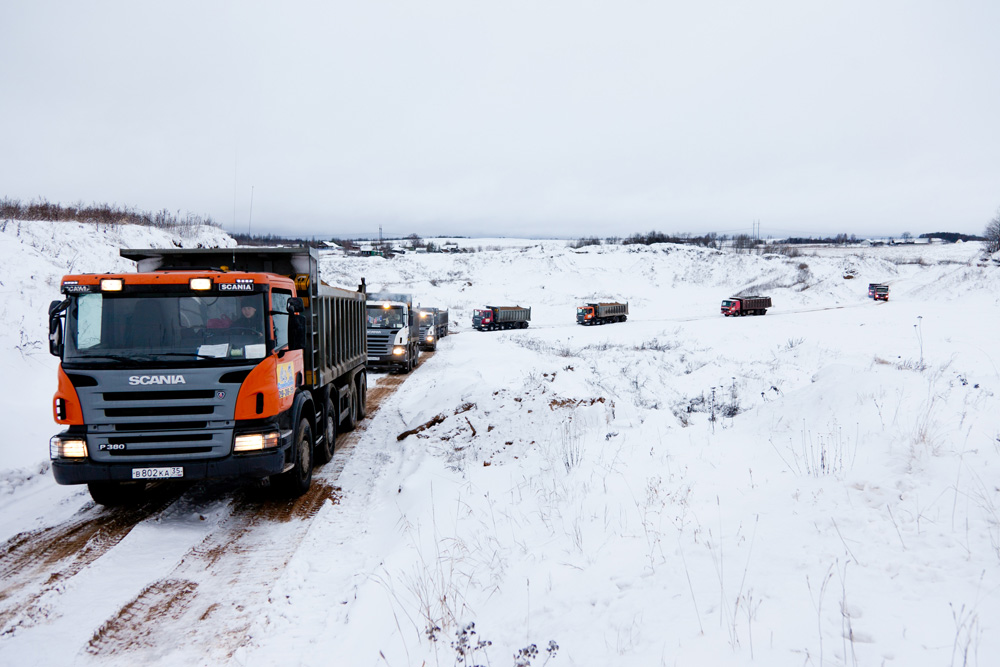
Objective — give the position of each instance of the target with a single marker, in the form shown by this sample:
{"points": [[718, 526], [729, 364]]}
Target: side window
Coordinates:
{"points": [[279, 315], [88, 320]]}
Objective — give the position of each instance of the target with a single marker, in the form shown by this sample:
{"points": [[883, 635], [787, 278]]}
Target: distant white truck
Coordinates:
{"points": [[393, 332]]}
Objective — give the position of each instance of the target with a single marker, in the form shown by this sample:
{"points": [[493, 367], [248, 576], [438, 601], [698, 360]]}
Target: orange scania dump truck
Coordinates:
{"points": [[205, 363]]}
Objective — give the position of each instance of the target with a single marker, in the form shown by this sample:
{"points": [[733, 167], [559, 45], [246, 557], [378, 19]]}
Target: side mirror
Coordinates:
{"points": [[295, 305], [56, 331], [296, 330]]}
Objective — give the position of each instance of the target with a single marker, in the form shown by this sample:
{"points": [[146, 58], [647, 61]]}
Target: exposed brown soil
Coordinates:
{"points": [[233, 570], [33, 563]]}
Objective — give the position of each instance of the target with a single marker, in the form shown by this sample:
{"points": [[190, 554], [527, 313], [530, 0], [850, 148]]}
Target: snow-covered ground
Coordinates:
{"points": [[814, 487]]}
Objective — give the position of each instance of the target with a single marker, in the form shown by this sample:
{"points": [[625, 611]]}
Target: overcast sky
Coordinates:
{"points": [[512, 118]]}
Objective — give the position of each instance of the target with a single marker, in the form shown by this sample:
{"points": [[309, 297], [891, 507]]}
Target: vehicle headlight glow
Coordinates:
{"points": [[200, 284], [61, 447], [255, 442], [430, 337], [398, 350], [112, 284]]}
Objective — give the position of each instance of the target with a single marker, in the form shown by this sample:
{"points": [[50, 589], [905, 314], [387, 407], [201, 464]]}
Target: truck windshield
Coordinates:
{"points": [[380, 317], [584, 311], [164, 327], [727, 303]]}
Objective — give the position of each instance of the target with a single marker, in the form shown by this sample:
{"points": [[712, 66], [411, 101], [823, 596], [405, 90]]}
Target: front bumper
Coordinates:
{"points": [[252, 465], [389, 361]]}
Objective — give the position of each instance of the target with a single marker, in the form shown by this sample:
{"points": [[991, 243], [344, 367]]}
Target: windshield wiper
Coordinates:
{"points": [[190, 354], [113, 357]]}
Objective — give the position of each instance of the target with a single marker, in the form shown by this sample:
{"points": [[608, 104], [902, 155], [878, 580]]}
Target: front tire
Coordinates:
{"points": [[296, 481], [116, 494]]}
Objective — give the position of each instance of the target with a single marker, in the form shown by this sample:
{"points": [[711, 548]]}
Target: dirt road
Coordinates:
{"points": [[210, 588]]}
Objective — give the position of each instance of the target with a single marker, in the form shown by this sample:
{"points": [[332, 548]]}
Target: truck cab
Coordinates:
{"points": [[881, 293], [433, 327], [584, 314], [393, 332], [482, 319]]}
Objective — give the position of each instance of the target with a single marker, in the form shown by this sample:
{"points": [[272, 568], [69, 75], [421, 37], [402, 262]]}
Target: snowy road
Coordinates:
{"points": [[223, 547]]}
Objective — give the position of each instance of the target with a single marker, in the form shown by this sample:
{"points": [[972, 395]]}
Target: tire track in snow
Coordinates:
{"points": [[36, 563], [205, 607]]}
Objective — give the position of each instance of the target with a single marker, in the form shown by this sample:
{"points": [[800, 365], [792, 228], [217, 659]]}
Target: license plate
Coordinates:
{"points": [[372, 358], [157, 473]]}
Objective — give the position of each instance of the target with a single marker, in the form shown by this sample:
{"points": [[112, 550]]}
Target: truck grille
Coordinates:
{"points": [[380, 343], [128, 424]]}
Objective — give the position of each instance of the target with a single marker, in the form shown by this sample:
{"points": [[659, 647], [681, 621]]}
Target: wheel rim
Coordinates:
{"points": [[305, 455], [331, 426]]}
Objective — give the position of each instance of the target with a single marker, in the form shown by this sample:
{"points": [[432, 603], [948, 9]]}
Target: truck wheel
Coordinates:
{"points": [[296, 481], [323, 451], [115, 494], [351, 420], [361, 395]]}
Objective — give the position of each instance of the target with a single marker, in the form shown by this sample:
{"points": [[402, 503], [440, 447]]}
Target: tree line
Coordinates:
{"points": [[107, 214]]}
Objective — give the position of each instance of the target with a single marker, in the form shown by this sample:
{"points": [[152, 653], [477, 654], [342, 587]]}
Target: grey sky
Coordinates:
{"points": [[541, 117]]}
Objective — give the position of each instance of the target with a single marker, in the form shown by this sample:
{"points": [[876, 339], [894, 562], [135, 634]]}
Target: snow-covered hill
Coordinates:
{"points": [[814, 487], [33, 257]]}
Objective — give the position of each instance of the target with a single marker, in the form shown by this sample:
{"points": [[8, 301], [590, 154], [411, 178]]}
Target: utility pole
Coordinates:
{"points": [[235, 173], [250, 221]]}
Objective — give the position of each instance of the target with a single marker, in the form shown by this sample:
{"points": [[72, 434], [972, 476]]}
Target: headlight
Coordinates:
{"points": [[255, 442], [430, 337], [399, 350], [61, 447]]}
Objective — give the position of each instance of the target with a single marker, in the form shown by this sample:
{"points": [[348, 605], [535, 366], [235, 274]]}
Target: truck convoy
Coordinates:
{"points": [[433, 327], [393, 332], [492, 318], [746, 305], [601, 313], [205, 363]]}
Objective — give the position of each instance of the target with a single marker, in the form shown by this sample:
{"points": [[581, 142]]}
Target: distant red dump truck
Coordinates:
{"points": [[881, 293], [492, 318], [746, 305]]}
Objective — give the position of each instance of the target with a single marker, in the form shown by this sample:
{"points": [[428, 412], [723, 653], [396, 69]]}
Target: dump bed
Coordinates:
{"points": [[609, 309], [511, 313], [754, 302]]}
